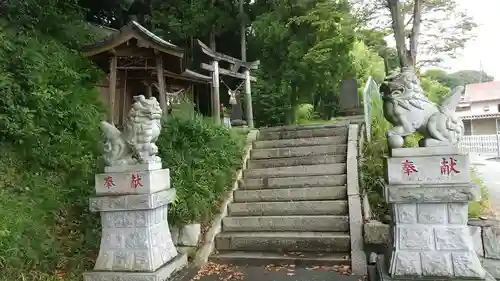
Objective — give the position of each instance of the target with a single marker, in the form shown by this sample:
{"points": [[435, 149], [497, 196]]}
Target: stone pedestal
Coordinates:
{"points": [[136, 243], [429, 190]]}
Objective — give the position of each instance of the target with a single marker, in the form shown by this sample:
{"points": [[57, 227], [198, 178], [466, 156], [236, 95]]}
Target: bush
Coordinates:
{"points": [[372, 167], [305, 112], [202, 158], [49, 116]]}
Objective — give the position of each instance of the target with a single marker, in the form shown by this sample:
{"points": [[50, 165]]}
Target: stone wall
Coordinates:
{"points": [[186, 238], [485, 235]]}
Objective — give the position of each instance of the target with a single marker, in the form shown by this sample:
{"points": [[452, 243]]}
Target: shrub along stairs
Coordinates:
{"points": [[291, 205]]}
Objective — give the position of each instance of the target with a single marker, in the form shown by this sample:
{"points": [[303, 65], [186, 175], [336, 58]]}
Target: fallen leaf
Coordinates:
{"points": [[312, 268]]}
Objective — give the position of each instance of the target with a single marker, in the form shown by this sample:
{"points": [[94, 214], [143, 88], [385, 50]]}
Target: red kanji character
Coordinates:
{"points": [[409, 167], [108, 182], [448, 168], [136, 180]]}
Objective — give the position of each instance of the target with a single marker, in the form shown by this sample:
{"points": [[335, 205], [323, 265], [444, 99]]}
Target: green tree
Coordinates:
{"points": [[367, 63], [375, 40], [459, 78], [315, 39], [434, 90]]}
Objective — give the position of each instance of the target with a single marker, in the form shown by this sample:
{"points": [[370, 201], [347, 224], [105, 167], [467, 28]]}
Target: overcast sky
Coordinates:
{"points": [[485, 47]]}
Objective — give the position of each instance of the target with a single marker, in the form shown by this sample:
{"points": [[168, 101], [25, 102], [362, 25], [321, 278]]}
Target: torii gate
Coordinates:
{"points": [[235, 65]]}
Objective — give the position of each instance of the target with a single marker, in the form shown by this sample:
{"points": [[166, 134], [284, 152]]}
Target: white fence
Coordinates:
{"points": [[482, 144]]}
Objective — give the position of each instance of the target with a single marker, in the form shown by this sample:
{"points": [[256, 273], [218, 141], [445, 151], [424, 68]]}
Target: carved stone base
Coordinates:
{"points": [[432, 239], [137, 240], [162, 274], [429, 190], [383, 275], [135, 232]]}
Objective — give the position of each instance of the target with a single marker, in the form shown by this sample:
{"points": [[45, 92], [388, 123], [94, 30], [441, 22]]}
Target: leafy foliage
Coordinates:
{"points": [[48, 115], [459, 78], [202, 158], [316, 39], [434, 90], [367, 63]]}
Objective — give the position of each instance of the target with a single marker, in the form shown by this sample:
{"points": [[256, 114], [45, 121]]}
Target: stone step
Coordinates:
{"points": [[333, 207], [302, 133], [290, 182], [291, 194], [286, 223], [308, 170], [265, 258], [284, 241], [354, 119], [300, 142], [297, 161], [266, 153], [302, 127]]}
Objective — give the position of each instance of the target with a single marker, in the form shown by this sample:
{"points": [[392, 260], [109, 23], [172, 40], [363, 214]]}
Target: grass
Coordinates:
{"points": [[483, 206], [37, 276]]}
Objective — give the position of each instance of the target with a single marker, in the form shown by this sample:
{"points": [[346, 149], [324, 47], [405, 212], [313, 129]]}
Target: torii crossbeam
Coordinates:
{"points": [[233, 71]]}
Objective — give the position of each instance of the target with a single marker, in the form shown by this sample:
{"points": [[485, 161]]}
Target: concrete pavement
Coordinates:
{"points": [[223, 272]]}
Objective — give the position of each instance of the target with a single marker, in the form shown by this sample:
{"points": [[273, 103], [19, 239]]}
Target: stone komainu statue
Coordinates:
{"points": [[409, 110], [136, 144]]}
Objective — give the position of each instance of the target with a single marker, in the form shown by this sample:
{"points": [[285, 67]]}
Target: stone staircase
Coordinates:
{"points": [[291, 205]]}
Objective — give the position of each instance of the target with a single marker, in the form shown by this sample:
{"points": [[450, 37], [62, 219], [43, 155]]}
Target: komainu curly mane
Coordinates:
{"points": [[409, 110], [137, 142]]}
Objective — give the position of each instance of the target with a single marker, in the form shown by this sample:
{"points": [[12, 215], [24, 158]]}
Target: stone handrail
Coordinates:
{"points": [[358, 256]]}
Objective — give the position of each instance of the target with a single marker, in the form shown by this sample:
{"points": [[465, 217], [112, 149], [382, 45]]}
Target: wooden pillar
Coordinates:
{"points": [[125, 99], [248, 100], [112, 89], [216, 96], [196, 97], [149, 90], [161, 83], [248, 92]]}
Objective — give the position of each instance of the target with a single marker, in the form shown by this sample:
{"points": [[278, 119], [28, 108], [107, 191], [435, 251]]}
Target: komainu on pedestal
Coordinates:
{"points": [[132, 197], [428, 188], [137, 142], [408, 109]]}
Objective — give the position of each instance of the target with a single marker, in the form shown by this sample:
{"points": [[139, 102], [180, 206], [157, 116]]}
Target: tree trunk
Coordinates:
{"points": [[399, 33], [415, 31], [291, 116], [243, 38]]}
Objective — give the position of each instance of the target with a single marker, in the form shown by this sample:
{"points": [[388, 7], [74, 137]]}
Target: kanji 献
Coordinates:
{"points": [[448, 168], [409, 167], [135, 181]]}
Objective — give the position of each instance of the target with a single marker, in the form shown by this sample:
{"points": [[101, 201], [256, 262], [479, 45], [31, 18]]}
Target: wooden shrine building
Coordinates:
{"points": [[139, 62]]}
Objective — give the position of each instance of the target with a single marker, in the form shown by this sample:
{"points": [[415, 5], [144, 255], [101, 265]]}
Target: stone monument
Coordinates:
{"points": [[132, 197], [236, 109], [428, 188], [349, 98]]}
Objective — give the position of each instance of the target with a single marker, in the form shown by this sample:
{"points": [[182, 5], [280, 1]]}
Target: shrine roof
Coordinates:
{"points": [[130, 31]]}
